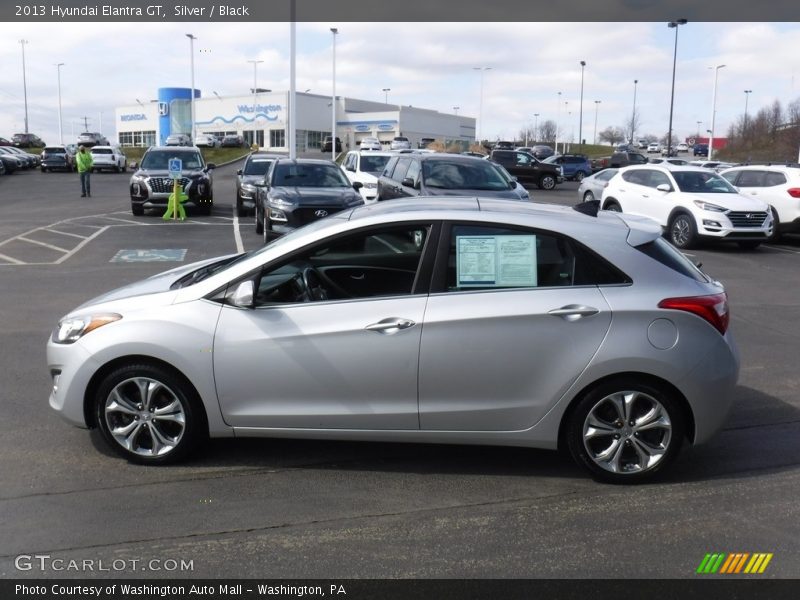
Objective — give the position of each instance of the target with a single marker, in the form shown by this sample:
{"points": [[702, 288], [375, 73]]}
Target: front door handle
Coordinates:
{"points": [[573, 312], [390, 325]]}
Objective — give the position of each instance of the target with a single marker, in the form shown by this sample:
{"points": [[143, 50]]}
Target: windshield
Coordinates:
{"points": [[699, 182], [309, 175], [454, 175], [256, 166], [55, 150], [373, 164], [159, 160]]}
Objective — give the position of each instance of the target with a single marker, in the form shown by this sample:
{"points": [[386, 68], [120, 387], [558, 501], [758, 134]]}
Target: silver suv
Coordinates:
{"points": [[400, 143]]}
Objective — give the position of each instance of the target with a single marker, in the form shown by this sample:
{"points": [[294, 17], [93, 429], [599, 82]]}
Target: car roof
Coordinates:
{"points": [[305, 161], [192, 149], [665, 166]]}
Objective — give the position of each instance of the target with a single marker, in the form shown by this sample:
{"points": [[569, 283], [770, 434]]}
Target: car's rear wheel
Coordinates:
{"points": [[682, 231], [612, 206], [547, 182], [148, 414], [626, 430], [588, 196], [579, 176]]}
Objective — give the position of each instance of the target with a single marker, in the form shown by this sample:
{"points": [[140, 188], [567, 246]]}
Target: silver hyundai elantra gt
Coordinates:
{"points": [[456, 320]]}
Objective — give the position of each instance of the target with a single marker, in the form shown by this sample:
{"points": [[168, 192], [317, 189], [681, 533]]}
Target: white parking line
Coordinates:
{"points": [[237, 236], [81, 245], [13, 261], [83, 237], [51, 246], [782, 249]]}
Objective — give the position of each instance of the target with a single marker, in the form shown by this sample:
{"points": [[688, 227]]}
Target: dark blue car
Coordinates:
{"points": [[575, 166]]}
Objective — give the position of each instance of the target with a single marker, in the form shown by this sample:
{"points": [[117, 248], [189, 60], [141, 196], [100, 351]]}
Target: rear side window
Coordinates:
{"points": [[400, 169], [751, 179], [669, 256], [773, 178]]}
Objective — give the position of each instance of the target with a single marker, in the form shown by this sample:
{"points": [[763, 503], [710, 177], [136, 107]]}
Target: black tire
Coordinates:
{"points": [[239, 206], [547, 182], [613, 206], [44, 169], [587, 450], [682, 231], [118, 388], [588, 196], [579, 176], [749, 244], [137, 210], [259, 223], [776, 233], [266, 229]]}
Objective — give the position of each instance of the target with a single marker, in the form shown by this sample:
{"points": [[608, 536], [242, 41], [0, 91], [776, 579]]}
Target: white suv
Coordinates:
{"points": [[108, 157], [690, 203], [778, 186], [400, 142], [365, 167]]}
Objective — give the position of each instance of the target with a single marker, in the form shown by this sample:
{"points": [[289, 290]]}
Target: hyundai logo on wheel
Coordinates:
{"points": [[321, 213]]}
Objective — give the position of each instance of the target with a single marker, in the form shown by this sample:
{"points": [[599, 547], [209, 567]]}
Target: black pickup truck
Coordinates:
{"points": [[528, 170], [619, 159]]}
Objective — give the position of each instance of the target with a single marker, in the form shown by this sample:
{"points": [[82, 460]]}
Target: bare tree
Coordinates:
{"points": [[632, 126], [547, 132], [612, 135]]}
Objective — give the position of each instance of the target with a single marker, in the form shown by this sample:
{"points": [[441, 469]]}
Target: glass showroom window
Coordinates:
{"points": [[277, 138]]}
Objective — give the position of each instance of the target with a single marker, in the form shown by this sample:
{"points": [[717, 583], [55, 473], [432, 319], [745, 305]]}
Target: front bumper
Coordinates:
{"points": [[719, 225], [71, 368], [150, 193], [284, 219]]}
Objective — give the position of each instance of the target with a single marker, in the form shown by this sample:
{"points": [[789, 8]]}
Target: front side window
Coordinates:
{"points": [[701, 182], [370, 264], [658, 178], [484, 257], [523, 159], [373, 164]]}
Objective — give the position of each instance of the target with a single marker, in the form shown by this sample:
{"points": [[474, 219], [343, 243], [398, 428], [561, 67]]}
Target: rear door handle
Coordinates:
{"points": [[573, 312], [390, 325]]}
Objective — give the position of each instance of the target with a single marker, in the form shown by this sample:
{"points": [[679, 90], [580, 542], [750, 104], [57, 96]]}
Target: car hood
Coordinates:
{"points": [[735, 202], [311, 196], [165, 173], [512, 194], [157, 287]]}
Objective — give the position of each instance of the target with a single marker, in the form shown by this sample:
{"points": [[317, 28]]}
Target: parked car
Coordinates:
{"points": [[591, 187], [654, 147], [30, 160], [370, 143], [5, 142], [669, 161], [690, 203], [27, 140], [778, 186], [89, 139], [232, 141], [178, 139], [425, 142], [365, 168], [109, 158], [2, 168], [641, 144], [57, 158], [439, 174], [503, 145], [359, 337], [400, 142], [528, 170], [300, 191], [151, 184], [682, 147], [700, 150], [251, 180], [542, 151], [206, 141], [14, 161], [327, 144], [574, 166]]}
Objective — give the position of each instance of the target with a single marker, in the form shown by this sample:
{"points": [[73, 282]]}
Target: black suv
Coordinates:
{"points": [[326, 144], [440, 174], [299, 191], [151, 184], [250, 179], [529, 170], [27, 140]]}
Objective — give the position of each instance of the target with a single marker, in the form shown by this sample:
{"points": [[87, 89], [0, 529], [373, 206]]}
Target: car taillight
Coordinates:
{"points": [[794, 192], [713, 309]]}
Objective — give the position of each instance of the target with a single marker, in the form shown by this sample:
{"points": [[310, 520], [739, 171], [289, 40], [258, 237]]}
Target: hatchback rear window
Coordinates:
{"points": [[102, 151], [55, 150], [669, 256]]}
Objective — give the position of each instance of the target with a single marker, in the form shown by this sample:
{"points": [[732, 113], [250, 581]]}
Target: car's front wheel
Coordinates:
{"points": [[776, 233], [588, 196], [259, 223], [137, 210], [626, 430], [683, 231], [148, 414], [547, 182]]}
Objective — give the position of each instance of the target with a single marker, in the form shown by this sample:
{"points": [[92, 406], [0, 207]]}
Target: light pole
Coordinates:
{"points": [[713, 109], [60, 120], [674, 25], [24, 83], [746, 98], [482, 70], [455, 108], [698, 128], [291, 138], [558, 119], [535, 126], [335, 32], [191, 101], [633, 114], [580, 118], [255, 95], [386, 95], [596, 107]]}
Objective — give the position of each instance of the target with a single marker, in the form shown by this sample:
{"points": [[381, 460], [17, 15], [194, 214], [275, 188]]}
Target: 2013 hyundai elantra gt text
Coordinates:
{"points": [[456, 320]]}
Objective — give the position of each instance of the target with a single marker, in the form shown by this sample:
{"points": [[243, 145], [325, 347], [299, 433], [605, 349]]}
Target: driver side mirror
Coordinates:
{"points": [[351, 168], [357, 185], [210, 166], [243, 295], [238, 171], [409, 182], [664, 187]]}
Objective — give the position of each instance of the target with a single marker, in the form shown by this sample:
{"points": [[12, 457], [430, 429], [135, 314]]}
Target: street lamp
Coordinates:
{"points": [[24, 82], [558, 119], [386, 95], [255, 95], [535, 126], [713, 109], [482, 70], [674, 25], [60, 120], [580, 118], [455, 108], [191, 102], [746, 98], [633, 115], [596, 107], [698, 128], [335, 32]]}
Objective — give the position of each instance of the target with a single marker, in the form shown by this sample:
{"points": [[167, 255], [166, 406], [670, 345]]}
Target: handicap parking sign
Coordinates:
{"points": [[175, 168]]}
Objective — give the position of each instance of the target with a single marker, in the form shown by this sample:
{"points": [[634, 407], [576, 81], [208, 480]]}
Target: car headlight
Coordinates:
{"points": [[703, 205], [280, 201], [71, 329], [247, 187], [370, 186]]}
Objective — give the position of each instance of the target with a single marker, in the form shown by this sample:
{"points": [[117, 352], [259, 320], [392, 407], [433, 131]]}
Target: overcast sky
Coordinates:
{"points": [[429, 65]]}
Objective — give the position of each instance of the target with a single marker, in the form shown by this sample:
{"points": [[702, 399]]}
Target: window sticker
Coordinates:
{"points": [[496, 261]]}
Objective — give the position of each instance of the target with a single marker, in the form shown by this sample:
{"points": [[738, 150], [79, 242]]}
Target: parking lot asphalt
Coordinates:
{"points": [[311, 509]]}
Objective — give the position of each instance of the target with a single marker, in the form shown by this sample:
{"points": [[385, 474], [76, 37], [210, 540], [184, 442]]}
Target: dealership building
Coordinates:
{"points": [[262, 119]]}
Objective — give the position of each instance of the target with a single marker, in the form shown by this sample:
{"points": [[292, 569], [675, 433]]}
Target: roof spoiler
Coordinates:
{"points": [[588, 208]]}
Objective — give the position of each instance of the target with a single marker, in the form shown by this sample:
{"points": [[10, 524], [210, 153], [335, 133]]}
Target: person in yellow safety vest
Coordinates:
{"points": [[83, 159]]}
